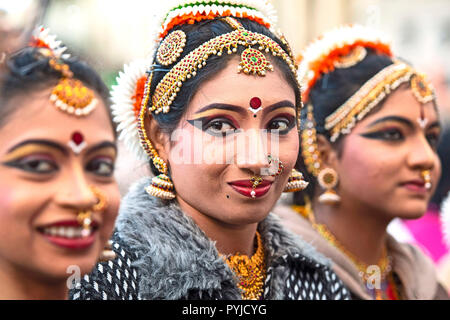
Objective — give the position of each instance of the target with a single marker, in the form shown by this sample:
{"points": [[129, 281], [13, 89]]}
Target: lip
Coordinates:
{"points": [[245, 187], [78, 243], [417, 186]]}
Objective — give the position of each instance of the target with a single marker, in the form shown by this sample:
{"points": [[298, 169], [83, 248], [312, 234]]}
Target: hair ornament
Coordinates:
{"points": [[191, 11], [69, 95], [41, 38], [171, 48], [127, 96], [339, 48]]}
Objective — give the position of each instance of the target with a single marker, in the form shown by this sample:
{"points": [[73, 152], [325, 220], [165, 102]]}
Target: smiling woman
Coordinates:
{"points": [[369, 139], [216, 115], [58, 198]]}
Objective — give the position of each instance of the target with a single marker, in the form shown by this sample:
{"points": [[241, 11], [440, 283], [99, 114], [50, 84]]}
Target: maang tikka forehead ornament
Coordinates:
{"points": [[69, 95]]}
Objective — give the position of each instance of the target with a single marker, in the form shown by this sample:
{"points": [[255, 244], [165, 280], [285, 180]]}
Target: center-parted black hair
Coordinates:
{"points": [[28, 70], [197, 34], [328, 94]]}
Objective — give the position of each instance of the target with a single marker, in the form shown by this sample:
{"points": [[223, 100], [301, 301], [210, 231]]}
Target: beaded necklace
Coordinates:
{"points": [[250, 271], [384, 263]]}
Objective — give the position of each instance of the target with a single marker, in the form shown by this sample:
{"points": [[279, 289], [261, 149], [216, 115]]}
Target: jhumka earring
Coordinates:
{"points": [[328, 179], [295, 182], [161, 186]]}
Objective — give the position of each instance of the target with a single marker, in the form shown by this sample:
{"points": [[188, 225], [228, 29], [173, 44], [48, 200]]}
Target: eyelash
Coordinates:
{"points": [[31, 163], [207, 123], [288, 119], [383, 135], [95, 164]]}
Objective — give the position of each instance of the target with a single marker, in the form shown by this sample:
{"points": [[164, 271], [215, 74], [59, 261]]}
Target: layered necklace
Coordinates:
{"points": [[365, 272], [250, 271]]}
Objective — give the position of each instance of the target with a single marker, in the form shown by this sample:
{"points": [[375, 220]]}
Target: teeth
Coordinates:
{"points": [[66, 232]]}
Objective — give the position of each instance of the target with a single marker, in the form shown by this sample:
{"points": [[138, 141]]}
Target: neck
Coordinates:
{"points": [[360, 230], [22, 285], [230, 239]]}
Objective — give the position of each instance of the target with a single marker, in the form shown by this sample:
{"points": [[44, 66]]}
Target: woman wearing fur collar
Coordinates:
{"points": [[217, 114]]}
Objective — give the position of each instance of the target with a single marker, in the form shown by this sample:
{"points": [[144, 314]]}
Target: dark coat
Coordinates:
{"points": [[163, 254]]}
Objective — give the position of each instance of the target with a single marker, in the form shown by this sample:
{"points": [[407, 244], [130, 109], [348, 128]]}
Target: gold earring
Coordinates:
{"points": [[161, 187], [328, 179], [295, 182], [107, 253]]}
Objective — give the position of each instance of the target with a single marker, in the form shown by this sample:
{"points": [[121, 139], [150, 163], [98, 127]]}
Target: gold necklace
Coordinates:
{"points": [[250, 271], [384, 263]]}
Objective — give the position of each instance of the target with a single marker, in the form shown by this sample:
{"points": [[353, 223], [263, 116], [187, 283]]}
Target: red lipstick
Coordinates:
{"points": [[245, 187]]}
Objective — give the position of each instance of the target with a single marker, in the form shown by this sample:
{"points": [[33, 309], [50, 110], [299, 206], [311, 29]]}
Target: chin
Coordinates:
{"points": [[413, 210]]}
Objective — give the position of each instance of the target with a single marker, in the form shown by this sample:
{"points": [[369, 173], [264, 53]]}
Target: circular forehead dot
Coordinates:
{"points": [[77, 138], [255, 103]]}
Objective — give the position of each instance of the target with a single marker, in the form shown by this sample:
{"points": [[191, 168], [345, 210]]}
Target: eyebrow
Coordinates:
{"points": [[281, 104], [392, 118], [242, 111], [47, 143], [405, 121], [102, 145]]}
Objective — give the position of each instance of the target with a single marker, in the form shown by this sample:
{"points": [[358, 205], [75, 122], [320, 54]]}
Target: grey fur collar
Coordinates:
{"points": [[172, 249]]}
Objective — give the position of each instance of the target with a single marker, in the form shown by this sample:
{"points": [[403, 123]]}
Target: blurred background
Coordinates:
{"points": [[109, 33]]}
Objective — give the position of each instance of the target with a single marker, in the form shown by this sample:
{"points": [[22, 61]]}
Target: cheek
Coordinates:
{"points": [[372, 173]]}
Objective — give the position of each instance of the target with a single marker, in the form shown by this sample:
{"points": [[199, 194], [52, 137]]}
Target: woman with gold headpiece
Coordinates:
{"points": [[215, 110], [58, 196], [370, 129]]}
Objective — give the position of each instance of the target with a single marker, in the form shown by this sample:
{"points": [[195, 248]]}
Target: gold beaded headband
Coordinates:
{"points": [[252, 61], [372, 92]]}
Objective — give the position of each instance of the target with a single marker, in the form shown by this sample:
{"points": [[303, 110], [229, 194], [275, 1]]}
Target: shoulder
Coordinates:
{"points": [[113, 280]]}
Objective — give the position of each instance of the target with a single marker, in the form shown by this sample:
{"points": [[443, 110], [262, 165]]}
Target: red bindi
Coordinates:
{"points": [[77, 138], [255, 103]]}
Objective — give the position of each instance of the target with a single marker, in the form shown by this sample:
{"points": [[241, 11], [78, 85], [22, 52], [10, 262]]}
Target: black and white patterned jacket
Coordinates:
{"points": [[163, 254]]}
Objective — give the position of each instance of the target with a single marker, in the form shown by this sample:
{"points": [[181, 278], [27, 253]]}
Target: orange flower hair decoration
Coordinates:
{"points": [[342, 47]]}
